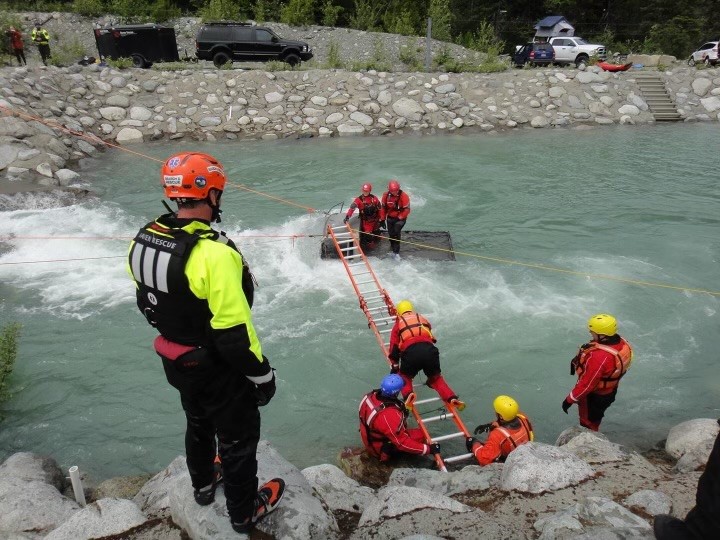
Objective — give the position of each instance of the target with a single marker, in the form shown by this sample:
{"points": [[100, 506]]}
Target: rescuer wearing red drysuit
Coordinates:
{"points": [[600, 365], [511, 429], [396, 205], [372, 216], [412, 348], [383, 423]]}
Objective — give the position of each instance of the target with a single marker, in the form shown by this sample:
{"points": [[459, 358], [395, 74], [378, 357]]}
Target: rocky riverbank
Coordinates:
{"points": [[52, 117], [585, 486]]}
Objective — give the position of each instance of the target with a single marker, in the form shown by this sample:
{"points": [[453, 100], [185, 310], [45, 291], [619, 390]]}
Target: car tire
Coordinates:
{"points": [[138, 61], [221, 58], [691, 61], [292, 59], [581, 60], [707, 61]]}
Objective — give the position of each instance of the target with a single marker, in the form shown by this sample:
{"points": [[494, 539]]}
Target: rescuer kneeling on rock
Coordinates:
{"points": [[383, 423], [511, 429]]}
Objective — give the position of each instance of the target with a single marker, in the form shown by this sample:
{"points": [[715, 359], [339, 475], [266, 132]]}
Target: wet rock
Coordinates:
{"points": [[650, 501], [102, 518], [691, 442], [337, 490]]}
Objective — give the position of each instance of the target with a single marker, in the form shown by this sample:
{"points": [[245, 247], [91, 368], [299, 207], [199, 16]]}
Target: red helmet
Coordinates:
{"points": [[191, 175], [367, 187], [393, 185]]}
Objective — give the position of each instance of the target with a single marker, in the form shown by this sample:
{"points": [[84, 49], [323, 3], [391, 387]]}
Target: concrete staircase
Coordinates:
{"points": [[656, 96]]}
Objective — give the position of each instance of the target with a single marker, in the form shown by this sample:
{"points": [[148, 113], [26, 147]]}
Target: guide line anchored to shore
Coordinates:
{"points": [[309, 209]]}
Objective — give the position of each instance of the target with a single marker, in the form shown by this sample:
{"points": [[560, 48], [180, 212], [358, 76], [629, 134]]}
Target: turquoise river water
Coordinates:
{"points": [[637, 203]]}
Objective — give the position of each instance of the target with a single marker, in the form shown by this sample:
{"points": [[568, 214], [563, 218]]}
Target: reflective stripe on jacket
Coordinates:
{"points": [[41, 37], [600, 367], [503, 439]]}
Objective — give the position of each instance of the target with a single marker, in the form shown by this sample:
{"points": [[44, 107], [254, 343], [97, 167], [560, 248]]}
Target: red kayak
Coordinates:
{"points": [[615, 67]]}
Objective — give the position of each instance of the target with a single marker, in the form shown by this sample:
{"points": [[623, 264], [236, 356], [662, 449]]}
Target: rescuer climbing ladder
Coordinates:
{"points": [[379, 309]]}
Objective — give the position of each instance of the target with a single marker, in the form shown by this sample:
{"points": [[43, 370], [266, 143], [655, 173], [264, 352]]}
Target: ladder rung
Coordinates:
{"points": [[385, 331], [361, 273], [428, 400], [379, 308], [365, 282], [352, 257], [376, 297], [445, 416], [458, 458], [450, 436], [381, 319], [357, 264]]}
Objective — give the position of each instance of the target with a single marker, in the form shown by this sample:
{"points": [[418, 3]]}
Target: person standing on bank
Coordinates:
{"points": [[396, 205], [600, 364], [193, 285], [17, 45], [372, 216], [41, 38]]}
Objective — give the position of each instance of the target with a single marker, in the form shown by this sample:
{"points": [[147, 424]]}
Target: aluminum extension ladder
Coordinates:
{"points": [[380, 312]]}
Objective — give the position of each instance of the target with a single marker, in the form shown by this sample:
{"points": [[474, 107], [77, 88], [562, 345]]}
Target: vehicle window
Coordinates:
{"points": [[213, 33], [544, 46], [560, 42], [581, 41], [241, 33], [706, 46], [263, 35]]}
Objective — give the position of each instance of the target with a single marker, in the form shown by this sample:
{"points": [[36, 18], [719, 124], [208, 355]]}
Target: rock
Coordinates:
{"points": [[637, 101], [154, 497], [599, 88], [118, 100], [628, 109], [349, 129], [650, 501], [32, 467], [45, 169], [556, 92], [337, 490], [711, 104], [445, 88], [537, 467], [334, 118], [32, 505], [392, 501], [469, 478], [320, 101], [140, 113], [118, 82], [694, 439], [539, 122], [605, 512], [102, 518], [150, 86], [8, 154], [587, 77], [593, 449], [408, 109], [66, 176], [701, 86], [129, 135], [361, 118], [121, 487], [574, 102], [112, 114], [209, 121], [14, 127], [273, 97]]}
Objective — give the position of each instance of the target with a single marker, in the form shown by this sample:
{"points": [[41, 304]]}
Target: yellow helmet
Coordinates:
{"points": [[403, 307], [603, 324], [506, 407]]}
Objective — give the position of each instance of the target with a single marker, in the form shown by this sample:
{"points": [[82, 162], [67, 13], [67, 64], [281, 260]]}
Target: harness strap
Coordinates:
{"points": [[616, 354]]}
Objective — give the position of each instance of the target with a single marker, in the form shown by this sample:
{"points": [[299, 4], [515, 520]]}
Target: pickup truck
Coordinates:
{"points": [[575, 50]]}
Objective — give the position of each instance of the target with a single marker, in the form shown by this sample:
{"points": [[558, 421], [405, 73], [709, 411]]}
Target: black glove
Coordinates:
{"points": [[482, 428], [566, 405], [264, 392], [574, 364], [394, 368], [383, 225], [469, 442], [345, 219], [435, 448]]}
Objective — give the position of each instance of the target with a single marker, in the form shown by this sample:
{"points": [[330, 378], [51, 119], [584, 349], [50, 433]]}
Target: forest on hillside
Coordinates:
{"points": [[674, 27]]}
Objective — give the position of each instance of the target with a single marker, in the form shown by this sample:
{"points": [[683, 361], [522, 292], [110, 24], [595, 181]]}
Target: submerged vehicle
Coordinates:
{"points": [[431, 245]]}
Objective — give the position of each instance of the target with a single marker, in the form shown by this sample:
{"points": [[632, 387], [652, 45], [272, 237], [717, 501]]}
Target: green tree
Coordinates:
{"points": [[678, 36], [330, 13], [439, 12], [88, 8], [299, 13], [367, 14], [268, 10], [224, 10]]}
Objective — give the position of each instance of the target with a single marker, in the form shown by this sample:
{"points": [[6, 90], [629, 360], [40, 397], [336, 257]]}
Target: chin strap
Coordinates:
{"points": [[215, 209]]}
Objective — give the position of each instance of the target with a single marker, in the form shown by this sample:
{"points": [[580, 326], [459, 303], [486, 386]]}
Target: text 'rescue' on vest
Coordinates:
{"points": [[157, 260], [621, 356]]}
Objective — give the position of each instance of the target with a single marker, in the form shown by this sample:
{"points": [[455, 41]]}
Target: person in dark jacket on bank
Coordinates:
{"points": [[703, 521]]}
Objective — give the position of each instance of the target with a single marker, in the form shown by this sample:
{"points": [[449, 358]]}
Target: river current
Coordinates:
{"points": [[637, 203]]}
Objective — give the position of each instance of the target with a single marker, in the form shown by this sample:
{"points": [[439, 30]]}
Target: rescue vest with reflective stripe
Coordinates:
{"points": [[413, 328], [517, 436], [393, 203], [622, 357], [369, 206], [157, 261], [370, 406], [44, 36]]}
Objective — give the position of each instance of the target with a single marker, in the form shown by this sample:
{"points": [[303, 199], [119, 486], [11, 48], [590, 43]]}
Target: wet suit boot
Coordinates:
{"points": [[267, 499], [206, 495]]}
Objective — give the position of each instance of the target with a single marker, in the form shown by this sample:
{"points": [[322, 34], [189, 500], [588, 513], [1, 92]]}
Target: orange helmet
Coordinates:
{"points": [[191, 175], [367, 187], [393, 185]]}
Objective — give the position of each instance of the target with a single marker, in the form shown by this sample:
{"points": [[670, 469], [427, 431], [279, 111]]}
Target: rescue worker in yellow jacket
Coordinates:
{"points": [[511, 429], [195, 288], [599, 364], [41, 38]]}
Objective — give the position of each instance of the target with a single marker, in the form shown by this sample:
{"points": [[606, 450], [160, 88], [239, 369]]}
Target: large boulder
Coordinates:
{"points": [[470, 478], [154, 497], [393, 501], [338, 491], [102, 518], [691, 442], [408, 108], [537, 467], [32, 505], [32, 467], [594, 449], [650, 501]]}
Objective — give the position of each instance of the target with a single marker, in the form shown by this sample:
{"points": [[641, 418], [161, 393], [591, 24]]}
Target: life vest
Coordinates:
{"points": [[393, 203], [370, 406], [44, 36], [622, 357], [413, 328], [157, 260], [369, 206], [516, 436]]}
